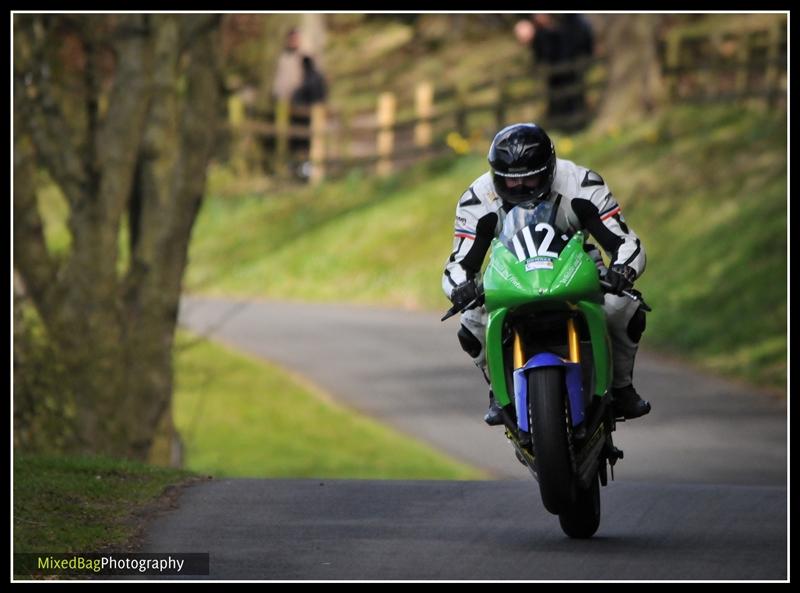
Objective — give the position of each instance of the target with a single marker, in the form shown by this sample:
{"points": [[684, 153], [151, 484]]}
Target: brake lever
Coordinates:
{"points": [[473, 303], [630, 295], [450, 312]]}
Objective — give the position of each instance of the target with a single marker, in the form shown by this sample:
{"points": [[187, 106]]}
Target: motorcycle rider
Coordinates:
{"points": [[524, 167]]}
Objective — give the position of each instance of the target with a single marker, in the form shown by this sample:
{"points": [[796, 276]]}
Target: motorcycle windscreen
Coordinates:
{"points": [[531, 232]]}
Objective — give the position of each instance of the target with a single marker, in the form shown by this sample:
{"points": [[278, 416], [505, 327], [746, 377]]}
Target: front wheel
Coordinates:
{"points": [[548, 421], [581, 519]]}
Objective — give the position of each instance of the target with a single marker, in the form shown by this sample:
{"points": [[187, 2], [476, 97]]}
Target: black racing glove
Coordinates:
{"points": [[464, 294], [620, 277]]}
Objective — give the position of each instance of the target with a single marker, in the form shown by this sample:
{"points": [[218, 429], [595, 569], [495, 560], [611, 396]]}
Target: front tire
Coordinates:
{"points": [[548, 420], [582, 518]]}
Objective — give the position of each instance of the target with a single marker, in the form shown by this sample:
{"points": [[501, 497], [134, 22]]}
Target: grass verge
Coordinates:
{"points": [[241, 417], [87, 504]]}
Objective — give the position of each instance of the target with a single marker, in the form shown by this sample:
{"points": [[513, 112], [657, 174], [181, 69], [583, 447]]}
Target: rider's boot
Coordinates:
{"points": [[494, 415], [627, 403]]}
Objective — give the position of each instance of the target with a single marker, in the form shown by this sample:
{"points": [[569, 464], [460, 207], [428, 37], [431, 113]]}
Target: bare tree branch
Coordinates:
{"points": [[92, 91], [43, 118], [152, 204], [198, 132], [202, 110], [120, 135]]}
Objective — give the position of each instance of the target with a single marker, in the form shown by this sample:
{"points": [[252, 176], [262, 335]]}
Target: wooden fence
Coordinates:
{"points": [[727, 64], [322, 141]]}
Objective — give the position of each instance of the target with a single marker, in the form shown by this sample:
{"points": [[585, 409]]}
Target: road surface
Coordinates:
{"points": [[700, 495]]}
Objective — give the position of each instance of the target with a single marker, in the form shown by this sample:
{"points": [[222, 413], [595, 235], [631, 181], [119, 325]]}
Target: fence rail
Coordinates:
{"points": [[416, 125]]}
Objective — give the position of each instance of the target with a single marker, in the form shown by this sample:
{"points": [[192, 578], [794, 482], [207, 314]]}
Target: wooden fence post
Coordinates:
{"points": [[345, 140], [238, 140], [282, 137], [461, 111], [772, 77], [387, 104], [743, 64], [317, 151], [423, 104], [500, 108], [673, 56]]}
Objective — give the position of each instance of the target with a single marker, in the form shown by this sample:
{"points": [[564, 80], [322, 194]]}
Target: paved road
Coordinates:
{"points": [[498, 530], [408, 370], [701, 493]]}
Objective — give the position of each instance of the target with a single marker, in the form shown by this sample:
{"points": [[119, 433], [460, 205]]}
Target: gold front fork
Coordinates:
{"points": [[573, 341], [519, 355]]}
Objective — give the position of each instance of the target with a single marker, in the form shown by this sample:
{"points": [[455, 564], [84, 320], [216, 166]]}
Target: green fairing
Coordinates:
{"points": [[573, 282]]}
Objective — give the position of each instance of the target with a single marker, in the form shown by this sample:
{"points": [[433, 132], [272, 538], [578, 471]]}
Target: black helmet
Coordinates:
{"points": [[523, 162]]}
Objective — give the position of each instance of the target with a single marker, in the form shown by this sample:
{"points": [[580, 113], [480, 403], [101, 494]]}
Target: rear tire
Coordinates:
{"points": [[582, 518], [548, 420]]}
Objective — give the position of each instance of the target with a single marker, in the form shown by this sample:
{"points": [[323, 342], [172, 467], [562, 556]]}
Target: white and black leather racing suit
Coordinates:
{"points": [[584, 203]]}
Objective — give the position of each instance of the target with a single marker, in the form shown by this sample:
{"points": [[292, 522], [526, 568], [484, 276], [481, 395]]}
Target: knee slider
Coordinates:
{"points": [[636, 325], [469, 342]]}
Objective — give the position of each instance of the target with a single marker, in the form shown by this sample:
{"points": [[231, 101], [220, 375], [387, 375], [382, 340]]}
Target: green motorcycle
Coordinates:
{"points": [[549, 358]]}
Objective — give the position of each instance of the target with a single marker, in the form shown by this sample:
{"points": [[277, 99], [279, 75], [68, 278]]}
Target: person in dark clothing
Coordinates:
{"points": [[313, 88], [558, 40]]}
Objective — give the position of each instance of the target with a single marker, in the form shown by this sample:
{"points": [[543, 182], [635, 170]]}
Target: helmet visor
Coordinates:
{"points": [[521, 188], [528, 181]]}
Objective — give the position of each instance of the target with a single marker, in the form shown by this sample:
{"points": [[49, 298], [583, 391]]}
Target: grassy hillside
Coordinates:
{"points": [[707, 190], [361, 240], [704, 187]]}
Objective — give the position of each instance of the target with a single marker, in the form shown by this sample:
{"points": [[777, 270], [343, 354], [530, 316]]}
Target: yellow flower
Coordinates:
{"points": [[458, 143], [565, 146]]}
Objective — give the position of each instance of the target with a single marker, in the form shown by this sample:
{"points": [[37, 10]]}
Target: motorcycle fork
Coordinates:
{"points": [[519, 352], [573, 342]]}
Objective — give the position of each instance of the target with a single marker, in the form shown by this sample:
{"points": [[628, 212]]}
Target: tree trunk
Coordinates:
{"points": [[145, 162], [634, 87], [313, 37]]}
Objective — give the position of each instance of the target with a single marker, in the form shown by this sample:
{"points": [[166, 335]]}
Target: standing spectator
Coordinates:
{"points": [[312, 90], [298, 81], [556, 41], [289, 71]]}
